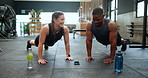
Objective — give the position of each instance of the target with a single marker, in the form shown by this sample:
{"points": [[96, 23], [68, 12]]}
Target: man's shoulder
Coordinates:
{"points": [[112, 26], [112, 23], [89, 25]]}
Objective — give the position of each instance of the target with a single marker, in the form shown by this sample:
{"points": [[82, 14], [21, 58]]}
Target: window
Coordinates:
{"points": [[140, 8], [114, 10], [70, 18]]}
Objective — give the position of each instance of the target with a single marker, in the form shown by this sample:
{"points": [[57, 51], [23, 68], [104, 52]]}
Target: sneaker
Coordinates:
{"points": [[28, 44], [46, 47], [124, 46]]}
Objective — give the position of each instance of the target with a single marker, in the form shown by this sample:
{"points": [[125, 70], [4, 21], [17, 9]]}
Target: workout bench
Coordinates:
{"points": [[77, 30]]}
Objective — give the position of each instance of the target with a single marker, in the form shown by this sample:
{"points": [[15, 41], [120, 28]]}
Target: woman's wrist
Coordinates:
{"points": [[68, 55]]}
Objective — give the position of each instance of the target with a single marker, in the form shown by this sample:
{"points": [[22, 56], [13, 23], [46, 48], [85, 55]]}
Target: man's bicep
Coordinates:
{"points": [[112, 32], [113, 37], [89, 33]]}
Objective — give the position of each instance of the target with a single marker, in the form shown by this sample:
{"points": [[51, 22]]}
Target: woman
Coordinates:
{"points": [[50, 34]]}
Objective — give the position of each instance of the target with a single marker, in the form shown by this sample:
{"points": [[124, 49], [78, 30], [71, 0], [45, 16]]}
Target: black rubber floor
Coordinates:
{"points": [[13, 61]]}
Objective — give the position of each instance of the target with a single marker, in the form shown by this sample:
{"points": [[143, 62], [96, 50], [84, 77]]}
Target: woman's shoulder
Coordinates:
{"points": [[45, 28]]}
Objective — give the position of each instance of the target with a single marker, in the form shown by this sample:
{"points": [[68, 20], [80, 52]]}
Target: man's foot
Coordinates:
{"points": [[124, 46], [46, 47], [28, 44]]}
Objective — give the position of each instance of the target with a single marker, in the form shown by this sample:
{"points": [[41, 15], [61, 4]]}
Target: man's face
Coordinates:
{"points": [[98, 20]]}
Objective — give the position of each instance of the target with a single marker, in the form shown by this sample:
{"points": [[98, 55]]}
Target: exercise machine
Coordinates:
{"points": [[7, 22]]}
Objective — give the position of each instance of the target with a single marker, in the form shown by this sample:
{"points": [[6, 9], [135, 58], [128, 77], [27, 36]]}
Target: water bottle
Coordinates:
{"points": [[119, 62], [30, 59]]}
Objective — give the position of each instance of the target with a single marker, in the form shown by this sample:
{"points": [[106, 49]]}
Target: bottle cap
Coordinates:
{"points": [[30, 49], [119, 52]]}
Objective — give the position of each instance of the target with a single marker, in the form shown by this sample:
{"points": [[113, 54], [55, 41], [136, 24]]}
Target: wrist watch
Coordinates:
{"points": [[68, 55]]}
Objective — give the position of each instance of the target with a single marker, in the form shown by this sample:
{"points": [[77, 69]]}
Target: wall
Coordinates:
{"points": [[127, 14], [46, 6], [125, 6], [85, 10], [126, 19]]}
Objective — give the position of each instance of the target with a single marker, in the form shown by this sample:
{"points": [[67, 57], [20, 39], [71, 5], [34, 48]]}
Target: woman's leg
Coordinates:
{"points": [[32, 42]]}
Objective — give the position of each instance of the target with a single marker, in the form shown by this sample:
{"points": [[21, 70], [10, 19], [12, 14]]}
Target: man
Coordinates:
{"points": [[50, 34], [105, 32]]}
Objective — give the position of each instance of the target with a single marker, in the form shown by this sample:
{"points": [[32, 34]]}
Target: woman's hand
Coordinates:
{"points": [[42, 61], [69, 58]]}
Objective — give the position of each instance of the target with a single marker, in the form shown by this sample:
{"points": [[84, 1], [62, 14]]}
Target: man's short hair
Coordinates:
{"points": [[97, 11]]}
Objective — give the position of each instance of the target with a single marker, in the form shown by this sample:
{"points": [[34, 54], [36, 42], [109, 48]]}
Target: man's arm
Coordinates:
{"points": [[89, 37], [67, 44], [43, 32], [113, 39]]}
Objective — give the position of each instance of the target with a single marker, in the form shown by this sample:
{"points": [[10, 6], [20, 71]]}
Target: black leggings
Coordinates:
{"points": [[37, 41]]}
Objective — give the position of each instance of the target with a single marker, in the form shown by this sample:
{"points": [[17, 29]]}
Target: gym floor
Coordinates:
{"points": [[13, 61]]}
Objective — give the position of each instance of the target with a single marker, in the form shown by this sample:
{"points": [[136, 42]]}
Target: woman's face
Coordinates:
{"points": [[60, 21]]}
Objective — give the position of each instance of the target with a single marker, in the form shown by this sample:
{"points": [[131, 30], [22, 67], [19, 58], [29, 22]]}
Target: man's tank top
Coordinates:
{"points": [[51, 38], [102, 34]]}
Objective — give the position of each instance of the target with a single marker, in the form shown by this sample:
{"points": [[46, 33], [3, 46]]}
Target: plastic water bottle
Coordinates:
{"points": [[30, 58], [119, 62]]}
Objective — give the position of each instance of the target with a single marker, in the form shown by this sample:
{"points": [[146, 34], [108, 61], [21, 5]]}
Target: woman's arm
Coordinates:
{"points": [[67, 44], [43, 32]]}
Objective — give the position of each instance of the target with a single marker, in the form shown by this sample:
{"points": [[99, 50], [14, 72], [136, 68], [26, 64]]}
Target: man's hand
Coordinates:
{"points": [[108, 60], [89, 59], [69, 58], [42, 61]]}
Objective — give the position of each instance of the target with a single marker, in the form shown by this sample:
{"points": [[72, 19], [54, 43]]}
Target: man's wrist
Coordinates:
{"points": [[89, 55]]}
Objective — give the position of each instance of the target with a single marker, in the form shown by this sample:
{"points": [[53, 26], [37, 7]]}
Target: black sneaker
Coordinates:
{"points": [[124, 46], [46, 47], [28, 44]]}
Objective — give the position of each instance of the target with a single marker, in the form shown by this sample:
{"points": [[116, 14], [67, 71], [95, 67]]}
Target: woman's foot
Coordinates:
{"points": [[28, 44]]}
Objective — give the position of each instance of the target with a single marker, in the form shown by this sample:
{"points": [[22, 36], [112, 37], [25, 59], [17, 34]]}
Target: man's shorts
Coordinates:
{"points": [[118, 39]]}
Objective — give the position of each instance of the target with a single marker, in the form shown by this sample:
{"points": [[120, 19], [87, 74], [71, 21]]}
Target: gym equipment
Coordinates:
{"points": [[76, 30], [7, 21]]}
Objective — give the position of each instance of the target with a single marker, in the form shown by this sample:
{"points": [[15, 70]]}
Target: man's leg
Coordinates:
{"points": [[121, 42], [45, 47], [124, 45]]}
